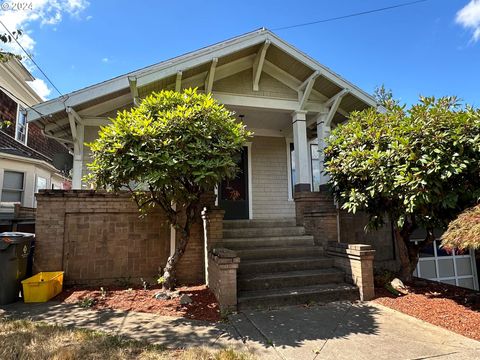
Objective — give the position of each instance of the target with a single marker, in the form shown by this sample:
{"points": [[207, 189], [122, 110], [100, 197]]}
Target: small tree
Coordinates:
{"points": [[6, 39], [418, 167], [463, 232], [167, 152]]}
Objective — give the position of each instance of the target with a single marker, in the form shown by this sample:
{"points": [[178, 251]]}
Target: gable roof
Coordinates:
{"points": [[120, 85]]}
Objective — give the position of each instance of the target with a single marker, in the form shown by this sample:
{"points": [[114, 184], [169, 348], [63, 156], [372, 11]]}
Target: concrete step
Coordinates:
{"points": [[263, 232], [265, 281], [241, 224], [274, 241], [279, 252], [284, 264], [297, 295]]}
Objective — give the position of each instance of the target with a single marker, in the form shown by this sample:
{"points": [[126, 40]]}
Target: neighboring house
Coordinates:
{"points": [[26, 154], [290, 102]]}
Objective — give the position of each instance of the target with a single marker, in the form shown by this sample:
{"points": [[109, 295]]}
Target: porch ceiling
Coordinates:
{"points": [[261, 119]]}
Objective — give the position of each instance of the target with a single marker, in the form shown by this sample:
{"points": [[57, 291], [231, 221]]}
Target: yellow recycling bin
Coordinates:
{"points": [[42, 287]]}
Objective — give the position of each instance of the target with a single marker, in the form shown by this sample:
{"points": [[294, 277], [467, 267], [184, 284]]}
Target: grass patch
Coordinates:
{"points": [[24, 339]]}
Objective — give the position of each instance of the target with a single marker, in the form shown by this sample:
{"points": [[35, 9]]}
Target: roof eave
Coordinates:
{"points": [[172, 66]]}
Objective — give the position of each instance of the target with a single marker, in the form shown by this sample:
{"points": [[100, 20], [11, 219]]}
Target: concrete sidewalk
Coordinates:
{"points": [[349, 331], [333, 331]]}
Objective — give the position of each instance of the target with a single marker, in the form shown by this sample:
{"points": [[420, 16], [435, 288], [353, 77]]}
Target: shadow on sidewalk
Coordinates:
{"points": [[170, 332]]}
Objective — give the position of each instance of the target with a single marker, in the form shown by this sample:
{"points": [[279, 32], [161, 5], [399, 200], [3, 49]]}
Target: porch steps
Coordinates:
{"points": [[297, 295], [281, 265], [264, 232], [268, 242], [267, 281], [260, 223], [284, 252]]}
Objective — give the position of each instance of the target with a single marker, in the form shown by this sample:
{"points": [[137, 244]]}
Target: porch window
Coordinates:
{"points": [[12, 190], [315, 164], [21, 126]]}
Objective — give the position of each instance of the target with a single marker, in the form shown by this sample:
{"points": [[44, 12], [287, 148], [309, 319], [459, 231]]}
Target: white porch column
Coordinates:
{"points": [[302, 177], [78, 158], [323, 131]]}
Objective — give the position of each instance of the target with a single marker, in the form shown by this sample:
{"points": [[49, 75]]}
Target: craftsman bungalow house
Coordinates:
{"points": [[290, 102]]}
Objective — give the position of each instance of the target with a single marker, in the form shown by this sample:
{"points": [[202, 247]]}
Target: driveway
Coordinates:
{"points": [[333, 331]]}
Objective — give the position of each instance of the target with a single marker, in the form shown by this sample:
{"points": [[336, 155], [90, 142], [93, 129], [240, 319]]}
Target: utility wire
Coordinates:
{"points": [[31, 59], [20, 101], [350, 15]]}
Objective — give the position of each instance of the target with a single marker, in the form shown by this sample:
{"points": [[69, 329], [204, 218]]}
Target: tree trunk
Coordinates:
{"points": [[408, 253], [169, 278]]}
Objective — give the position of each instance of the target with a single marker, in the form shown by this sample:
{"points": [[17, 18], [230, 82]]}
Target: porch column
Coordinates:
{"points": [[78, 159], [77, 128], [302, 178], [323, 131]]}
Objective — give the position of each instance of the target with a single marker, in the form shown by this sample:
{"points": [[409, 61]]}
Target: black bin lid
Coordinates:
{"points": [[15, 237]]}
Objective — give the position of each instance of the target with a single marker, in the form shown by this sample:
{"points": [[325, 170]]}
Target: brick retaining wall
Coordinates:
{"points": [[98, 238]]}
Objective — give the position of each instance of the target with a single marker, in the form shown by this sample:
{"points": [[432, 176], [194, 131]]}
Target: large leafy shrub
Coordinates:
{"points": [[419, 167]]}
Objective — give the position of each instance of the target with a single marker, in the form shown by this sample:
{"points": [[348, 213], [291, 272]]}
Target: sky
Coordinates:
{"points": [[429, 48]]}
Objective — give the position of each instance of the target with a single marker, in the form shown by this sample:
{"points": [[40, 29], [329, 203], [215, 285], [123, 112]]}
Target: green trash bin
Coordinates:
{"points": [[15, 249]]}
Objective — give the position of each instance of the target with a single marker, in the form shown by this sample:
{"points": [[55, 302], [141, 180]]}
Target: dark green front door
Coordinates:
{"points": [[233, 193]]}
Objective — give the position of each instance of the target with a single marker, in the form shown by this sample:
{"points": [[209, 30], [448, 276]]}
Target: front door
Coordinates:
{"points": [[233, 193]]}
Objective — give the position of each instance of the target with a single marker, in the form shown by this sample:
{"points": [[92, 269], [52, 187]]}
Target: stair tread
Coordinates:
{"points": [[264, 228], [283, 260], [287, 248], [259, 221], [272, 238], [290, 274], [289, 291]]}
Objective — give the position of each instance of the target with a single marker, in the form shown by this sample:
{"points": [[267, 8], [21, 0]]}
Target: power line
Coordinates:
{"points": [[350, 15], [31, 59], [20, 101]]}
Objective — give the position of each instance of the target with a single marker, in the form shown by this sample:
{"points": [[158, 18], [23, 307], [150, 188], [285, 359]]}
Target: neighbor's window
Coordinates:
{"points": [[315, 167], [12, 190], [21, 126], [41, 184]]}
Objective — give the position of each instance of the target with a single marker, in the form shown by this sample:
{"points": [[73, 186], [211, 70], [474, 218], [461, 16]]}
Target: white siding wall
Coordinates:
{"points": [[30, 171], [270, 179]]}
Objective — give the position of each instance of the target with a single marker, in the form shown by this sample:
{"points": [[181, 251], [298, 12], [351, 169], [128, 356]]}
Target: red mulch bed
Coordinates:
{"points": [[453, 308], [203, 307]]}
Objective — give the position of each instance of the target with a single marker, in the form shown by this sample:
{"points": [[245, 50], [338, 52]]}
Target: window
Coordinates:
{"points": [[292, 167], [21, 126], [12, 190], [314, 155], [41, 184]]}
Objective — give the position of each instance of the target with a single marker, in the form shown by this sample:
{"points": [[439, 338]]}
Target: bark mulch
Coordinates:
{"points": [[453, 308], [203, 307]]}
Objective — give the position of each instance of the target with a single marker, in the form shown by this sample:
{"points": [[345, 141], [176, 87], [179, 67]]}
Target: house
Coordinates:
{"points": [[277, 217], [26, 153]]}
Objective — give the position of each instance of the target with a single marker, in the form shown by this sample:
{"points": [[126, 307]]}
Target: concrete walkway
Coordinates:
{"points": [[333, 331]]}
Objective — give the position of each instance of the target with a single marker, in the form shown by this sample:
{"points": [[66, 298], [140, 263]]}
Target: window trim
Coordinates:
{"points": [[312, 180], [19, 111], [22, 191]]}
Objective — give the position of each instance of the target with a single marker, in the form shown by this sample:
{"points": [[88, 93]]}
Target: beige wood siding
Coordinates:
{"points": [[270, 179], [241, 83]]}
